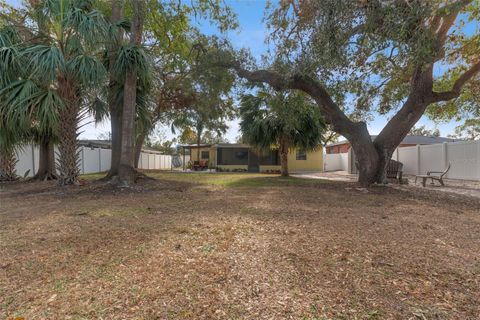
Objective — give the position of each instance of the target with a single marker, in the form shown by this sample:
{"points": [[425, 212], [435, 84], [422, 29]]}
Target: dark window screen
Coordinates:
{"points": [[269, 158], [301, 155], [205, 155], [232, 156]]}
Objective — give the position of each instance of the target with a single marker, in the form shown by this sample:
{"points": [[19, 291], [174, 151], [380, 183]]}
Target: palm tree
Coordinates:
{"points": [[8, 142], [54, 65], [131, 58], [284, 120]]}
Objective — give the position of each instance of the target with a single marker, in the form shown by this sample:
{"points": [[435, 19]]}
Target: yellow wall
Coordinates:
{"points": [[314, 161], [193, 153]]}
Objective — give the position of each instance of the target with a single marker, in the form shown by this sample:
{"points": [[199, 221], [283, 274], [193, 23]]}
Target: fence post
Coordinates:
{"points": [[83, 160], [418, 159], [445, 157], [33, 159], [99, 159]]}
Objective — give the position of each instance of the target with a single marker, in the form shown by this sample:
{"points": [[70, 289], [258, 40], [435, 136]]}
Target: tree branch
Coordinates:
{"points": [[457, 86], [330, 110]]}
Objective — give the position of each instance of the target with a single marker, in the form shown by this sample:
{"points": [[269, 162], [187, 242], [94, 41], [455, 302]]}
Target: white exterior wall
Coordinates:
{"points": [[91, 160]]}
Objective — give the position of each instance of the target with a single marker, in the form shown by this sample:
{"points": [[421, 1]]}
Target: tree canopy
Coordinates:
{"points": [[283, 120], [355, 57]]}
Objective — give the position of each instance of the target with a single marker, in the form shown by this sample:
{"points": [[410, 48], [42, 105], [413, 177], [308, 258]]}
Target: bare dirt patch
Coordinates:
{"points": [[239, 246]]}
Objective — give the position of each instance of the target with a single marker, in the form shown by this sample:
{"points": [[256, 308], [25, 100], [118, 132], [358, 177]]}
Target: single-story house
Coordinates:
{"points": [[343, 146], [237, 156]]}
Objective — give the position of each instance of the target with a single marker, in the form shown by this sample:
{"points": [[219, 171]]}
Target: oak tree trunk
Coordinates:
{"points": [[126, 170]]}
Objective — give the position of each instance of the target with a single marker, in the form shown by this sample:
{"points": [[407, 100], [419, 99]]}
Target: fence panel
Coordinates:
{"points": [[336, 162], [27, 157], [408, 156], [464, 158], [431, 158], [106, 158], [91, 160]]}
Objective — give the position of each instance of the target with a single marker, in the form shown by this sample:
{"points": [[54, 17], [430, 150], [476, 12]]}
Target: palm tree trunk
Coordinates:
{"points": [[46, 164], [199, 128], [114, 105], [138, 147], [283, 149], [126, 171], [116, 140], [7, 165], [69, 118]]}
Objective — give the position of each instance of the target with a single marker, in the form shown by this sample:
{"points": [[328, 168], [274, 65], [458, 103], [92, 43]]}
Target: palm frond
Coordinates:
{"points": [[89, 25], [133, 58], [45, 61], [86, 70]]}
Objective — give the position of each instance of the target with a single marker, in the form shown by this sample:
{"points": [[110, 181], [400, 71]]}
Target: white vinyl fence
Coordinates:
{"points": [[336, 162], [91, 160], [464, 157]]}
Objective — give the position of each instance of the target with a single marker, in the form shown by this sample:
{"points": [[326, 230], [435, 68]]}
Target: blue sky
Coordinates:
{"points": [[251, 35]]}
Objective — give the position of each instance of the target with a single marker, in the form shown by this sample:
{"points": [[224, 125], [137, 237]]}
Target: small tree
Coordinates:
{"points": [[287, 120], [203, 118]]}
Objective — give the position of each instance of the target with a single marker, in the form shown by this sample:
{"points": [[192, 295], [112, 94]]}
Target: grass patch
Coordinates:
{"points": [[222, 179], [233, 179], [93, 176]]}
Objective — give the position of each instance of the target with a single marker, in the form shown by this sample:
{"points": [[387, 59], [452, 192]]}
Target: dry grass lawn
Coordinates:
{"points": [[236, 246]]}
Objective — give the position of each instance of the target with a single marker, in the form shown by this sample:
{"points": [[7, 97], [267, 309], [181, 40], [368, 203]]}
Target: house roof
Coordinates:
{"points": [[407, 140], [201, 145], [231, 145], [218, 145]]}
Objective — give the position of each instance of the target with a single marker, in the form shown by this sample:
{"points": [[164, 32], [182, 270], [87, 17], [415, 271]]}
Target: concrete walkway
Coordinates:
{"points": [[461, 187]]}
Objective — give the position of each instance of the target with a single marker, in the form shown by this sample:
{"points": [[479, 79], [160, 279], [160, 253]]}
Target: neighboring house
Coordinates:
{"points": [[408, 141], [236, 156]]}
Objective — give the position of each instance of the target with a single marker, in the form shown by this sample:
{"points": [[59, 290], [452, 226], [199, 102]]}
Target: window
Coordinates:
{"points": [[232, 156], [301, 155], [205, 155], [269, 158]]}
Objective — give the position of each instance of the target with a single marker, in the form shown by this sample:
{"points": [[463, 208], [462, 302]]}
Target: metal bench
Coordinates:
{"points": [[433, 175]]}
